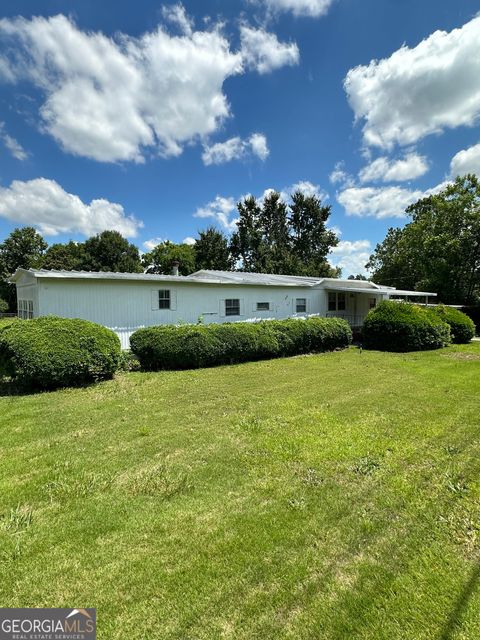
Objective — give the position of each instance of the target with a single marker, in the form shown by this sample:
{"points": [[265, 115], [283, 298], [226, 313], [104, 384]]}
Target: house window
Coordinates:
{"points": [[337, 301], [164, 299], [332, 301], [301, 305], [372, 303], [263, 306], [232, 307]]}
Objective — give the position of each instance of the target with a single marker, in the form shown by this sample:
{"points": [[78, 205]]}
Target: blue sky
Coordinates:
{"points": [[155, 119]]}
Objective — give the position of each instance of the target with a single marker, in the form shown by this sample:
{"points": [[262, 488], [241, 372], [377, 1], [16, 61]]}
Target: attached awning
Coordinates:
{"points": [[400, 292], [389, 291]]}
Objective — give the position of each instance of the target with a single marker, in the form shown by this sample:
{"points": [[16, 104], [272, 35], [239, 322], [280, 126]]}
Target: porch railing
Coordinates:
{"points": [[353, 320]]}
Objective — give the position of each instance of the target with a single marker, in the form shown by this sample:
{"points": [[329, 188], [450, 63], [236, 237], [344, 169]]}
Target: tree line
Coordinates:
{"points": [[439, 249], [272, 237]]}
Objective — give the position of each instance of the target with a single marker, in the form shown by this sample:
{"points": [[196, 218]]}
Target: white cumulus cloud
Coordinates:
{"points": [[384, 170], [304, 186], [264, 52], [340, 176], [308, 8], [44, 204], [12, 144], [220, 210], [259, 145], [189, 240], [419, 91], [236, 149], [466, 161], [116, 98], [351, 256], [176, 14], [150, 244], [382, 202]]}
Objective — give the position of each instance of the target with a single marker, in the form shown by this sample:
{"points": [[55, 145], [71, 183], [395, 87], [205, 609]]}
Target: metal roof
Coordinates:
{"points": [[201, 277], [243, 277], [207, 276]]}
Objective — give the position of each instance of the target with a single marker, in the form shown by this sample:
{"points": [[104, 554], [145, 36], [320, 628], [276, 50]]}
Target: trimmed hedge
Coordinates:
{"points": [[461, 326], [54, 352], [400, 326], [193, 346]]}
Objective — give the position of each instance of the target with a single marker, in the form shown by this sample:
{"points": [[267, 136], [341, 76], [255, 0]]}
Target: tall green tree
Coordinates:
{"points": [[311, 240], [68, 257], [24, 247], [110, 251], [163, 257], [439, 250], [393, 261], [211, 251], [273, 237], [246, 241]]}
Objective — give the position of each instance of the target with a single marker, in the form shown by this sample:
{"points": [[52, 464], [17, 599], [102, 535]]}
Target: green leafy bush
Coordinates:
{"points": [[400, 326], [193, 346], [3, 306], [128, 362], [54, 352], [461, 326], [6, 322]]}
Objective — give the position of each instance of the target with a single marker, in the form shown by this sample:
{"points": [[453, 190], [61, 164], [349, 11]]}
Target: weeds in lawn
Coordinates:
{"points": [[14, 524], [159, 481], [310, 478], [452, 450], [456, 485], [17, 520], [67, 484], [297, 503], [365, 466]]}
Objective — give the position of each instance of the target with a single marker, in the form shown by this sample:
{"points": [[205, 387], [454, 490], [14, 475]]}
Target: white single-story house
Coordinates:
{"points": [[125, 302]]}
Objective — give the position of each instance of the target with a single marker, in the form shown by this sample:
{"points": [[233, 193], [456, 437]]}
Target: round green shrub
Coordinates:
{"points": [[3, 306], [192, 346], [400, 326], [461, 326], [54, 352]]}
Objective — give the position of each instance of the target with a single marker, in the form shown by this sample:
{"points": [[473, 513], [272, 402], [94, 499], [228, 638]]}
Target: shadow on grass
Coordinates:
{"points": [[455, 618], [9, 387]]}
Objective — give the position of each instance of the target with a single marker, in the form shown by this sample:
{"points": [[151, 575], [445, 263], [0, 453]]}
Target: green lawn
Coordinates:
{"points": [[327, 496]]}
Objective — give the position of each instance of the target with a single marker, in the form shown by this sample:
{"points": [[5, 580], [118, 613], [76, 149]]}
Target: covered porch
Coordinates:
{"points": [[353, 303]]}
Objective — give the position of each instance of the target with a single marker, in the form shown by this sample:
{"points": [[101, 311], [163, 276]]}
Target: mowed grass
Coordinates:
{"points": [[327, 496]]}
